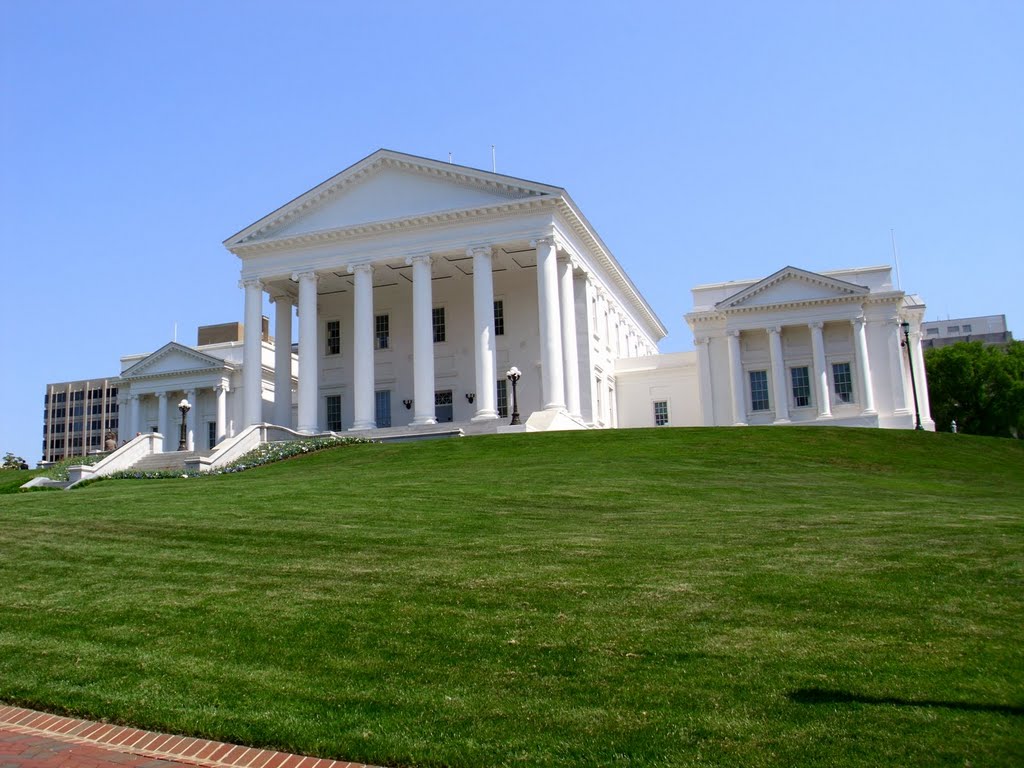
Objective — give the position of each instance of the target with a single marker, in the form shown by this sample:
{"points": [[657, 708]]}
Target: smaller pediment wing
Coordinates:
{"points": [[173, 358], [791, 285]]}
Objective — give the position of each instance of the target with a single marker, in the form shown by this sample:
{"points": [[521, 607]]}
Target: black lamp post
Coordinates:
{"points": [[913, 382], [184, 407], [514, 375]]}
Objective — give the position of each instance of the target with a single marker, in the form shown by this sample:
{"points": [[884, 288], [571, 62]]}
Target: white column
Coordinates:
{"points": [[820, 374], [362, 328], [422, 340], [707, 399], [283, 360], [162, 423], [860, 346], [778, 375], [483, 320], [190, 420], [252, 354], [739, 409], [921, 375], [570, 351], [552, 381], [221, 391], [308, 353], [899, 380], [133, 422]]}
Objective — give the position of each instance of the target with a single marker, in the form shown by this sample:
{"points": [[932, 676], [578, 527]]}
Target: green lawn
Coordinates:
{"points": [[745, 597]]}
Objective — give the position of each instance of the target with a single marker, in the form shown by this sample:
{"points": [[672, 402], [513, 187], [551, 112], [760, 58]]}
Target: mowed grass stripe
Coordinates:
{"points": [[650, 597]]}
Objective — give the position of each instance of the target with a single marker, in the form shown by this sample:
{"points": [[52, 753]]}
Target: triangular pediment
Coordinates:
{"points": [[174, 358], [389, 186], [791, 285]]}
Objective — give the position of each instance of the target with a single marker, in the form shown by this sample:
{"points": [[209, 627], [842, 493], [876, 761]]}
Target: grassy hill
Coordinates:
{"points": [[651, 597]]}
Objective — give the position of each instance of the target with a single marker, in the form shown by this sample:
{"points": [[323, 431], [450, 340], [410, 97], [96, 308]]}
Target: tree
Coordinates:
{"points": [[981, 388], [13, 462]]}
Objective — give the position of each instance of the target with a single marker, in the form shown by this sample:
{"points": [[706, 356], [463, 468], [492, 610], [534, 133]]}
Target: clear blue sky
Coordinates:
{"points": [[705, 141]]}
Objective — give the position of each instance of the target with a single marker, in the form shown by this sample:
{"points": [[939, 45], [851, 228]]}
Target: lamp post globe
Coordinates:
{"points": [[514, 375], [184, 406]]}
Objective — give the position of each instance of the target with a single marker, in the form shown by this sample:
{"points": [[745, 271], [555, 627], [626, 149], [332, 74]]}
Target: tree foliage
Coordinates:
{"points": [[13, 462], [980, 387]]}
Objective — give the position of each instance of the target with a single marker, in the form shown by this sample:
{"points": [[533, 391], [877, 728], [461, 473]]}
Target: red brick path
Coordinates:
{"points": [[30, 739]]}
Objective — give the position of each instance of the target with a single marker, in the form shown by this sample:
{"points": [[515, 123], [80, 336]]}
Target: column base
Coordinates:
{"points": [[359, 427], [554, 407], [869, 412], [422, 421], [739, 423], [308, 429], [782, 421], [825, 417], [485, 416]]}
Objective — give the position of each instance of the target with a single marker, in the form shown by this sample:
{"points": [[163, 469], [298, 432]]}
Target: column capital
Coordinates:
{"points": [[544, 240], [221, 388], [162, 395], [858, 321], [281, 298], [702, 340], [421, 258], [306, 275], [816, 324], [733, 332], [360, 269], [774, 329], [480, 250], [250, 282]]}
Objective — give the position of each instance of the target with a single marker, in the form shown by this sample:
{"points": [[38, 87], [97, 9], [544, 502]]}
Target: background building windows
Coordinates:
{"points": [[843, 382], [333, 337], [334, 413], [759, 391], [381, 332], [382, 407], [801, 386], [439, 329], [502, 401], [660, 413], [499, 317]]}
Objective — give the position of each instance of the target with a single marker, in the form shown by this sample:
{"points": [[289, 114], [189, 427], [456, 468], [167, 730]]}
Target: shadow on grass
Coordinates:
{"points": [[828, 696]]}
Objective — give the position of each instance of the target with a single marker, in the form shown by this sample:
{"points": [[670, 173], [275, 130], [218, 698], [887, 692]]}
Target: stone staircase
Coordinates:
{"points": [[165, 462]]}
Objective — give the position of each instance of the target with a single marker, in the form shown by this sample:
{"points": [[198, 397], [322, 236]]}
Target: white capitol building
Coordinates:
{"points": [[416, 284]]}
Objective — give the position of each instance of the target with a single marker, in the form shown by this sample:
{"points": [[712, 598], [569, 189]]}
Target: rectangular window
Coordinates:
{"points": [[499, 317], [439, 330], [801, 386], [382, 407], [334, 413], [953, 329], [502, 401], [966, 328], [759, 391], [333, 338], [933, 332], [660, 413], [443, 406], [843, 382], [211, 434], [381, 332]]}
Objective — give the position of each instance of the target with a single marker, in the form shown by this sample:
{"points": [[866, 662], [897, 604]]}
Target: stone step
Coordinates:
{"points": [[170, 460]]}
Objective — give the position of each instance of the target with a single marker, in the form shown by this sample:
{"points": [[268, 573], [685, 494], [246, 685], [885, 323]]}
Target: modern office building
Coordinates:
{"points": [[990, 329]]}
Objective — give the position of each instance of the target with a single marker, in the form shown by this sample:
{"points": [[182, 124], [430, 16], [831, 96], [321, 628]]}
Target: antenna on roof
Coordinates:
{"points": [[449, 158], [494, 162], [175, 330], [896, 259]]}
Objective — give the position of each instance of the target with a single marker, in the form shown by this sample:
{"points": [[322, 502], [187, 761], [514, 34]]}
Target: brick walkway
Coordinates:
{"points": [[30, 739]]}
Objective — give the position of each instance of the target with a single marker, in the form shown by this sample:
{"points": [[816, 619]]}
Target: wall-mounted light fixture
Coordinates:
{"points": [[471, 396], [407, 404]]}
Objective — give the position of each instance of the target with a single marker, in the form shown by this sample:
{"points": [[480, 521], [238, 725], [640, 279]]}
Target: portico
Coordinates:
{"points": [[417, 282], [800, 346]]}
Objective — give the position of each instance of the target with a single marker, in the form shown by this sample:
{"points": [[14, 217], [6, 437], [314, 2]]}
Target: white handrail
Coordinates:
{"points": [[123, 458]]}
